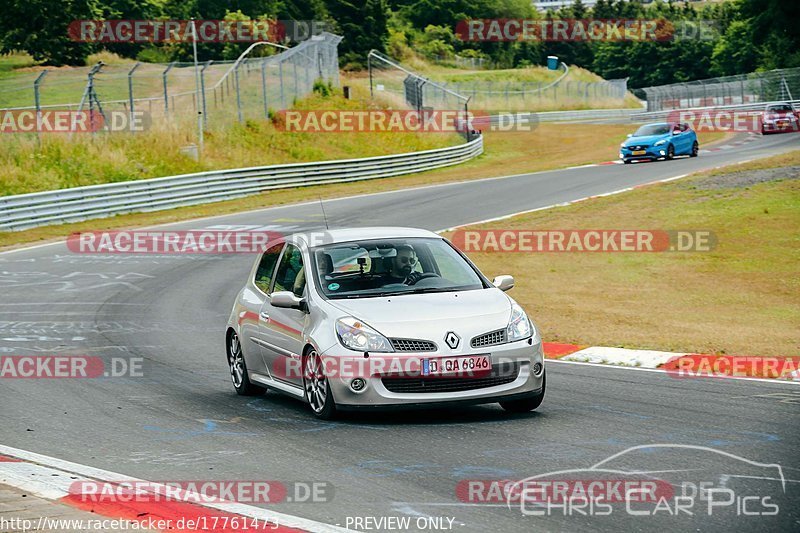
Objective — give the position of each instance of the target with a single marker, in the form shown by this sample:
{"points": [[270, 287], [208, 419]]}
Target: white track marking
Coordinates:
{"points": [[661, 371]]}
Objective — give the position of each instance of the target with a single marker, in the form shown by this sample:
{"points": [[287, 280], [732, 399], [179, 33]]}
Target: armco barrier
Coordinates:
{"points": [[662, 115], [81, 203]]}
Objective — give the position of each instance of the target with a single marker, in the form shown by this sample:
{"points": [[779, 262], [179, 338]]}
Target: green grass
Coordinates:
{"points": [[741, 298], [547, 147], [61, 162]]}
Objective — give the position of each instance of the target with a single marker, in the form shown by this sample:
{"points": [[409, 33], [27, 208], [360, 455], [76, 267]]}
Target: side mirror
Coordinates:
{"points": [[630, 135], [503, 283], [676, 132], [287, 300]]}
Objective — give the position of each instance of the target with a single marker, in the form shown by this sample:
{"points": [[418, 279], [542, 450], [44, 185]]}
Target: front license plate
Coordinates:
{"points": [[471, 364], [639, 152]]}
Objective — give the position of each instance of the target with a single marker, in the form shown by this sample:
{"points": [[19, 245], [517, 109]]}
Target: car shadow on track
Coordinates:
{"points": [[273, 405]]}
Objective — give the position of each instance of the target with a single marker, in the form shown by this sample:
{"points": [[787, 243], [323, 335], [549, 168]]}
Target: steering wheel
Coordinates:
{"points": [[422, 275]]}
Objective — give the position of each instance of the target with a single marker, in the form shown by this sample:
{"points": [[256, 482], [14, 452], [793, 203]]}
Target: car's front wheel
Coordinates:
{"points": [[238, 368], [317, 387], [670, 152], [695, 149], [527, 404]]}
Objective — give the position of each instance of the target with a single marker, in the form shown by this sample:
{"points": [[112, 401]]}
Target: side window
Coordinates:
{"points": [[291, 274], [266, 267]]}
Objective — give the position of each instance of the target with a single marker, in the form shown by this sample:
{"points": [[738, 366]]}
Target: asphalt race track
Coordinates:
{"points": [[182, 420]]}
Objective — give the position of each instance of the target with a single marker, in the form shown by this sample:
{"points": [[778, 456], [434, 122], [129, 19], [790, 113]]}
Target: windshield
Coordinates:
{"points": [[652, 129], [382, 267], [781, 108]]}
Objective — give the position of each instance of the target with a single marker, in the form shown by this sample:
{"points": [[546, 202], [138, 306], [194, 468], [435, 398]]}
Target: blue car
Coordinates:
{"points": [[663, 140]]}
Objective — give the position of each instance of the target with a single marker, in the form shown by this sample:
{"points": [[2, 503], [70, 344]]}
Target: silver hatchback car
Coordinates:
{"points": [[381, 318]]}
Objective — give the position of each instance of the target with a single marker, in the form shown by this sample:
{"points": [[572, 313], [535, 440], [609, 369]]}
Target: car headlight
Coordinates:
{"points": [[622, 145], [659, 143], [356, 335], [519, 327]]}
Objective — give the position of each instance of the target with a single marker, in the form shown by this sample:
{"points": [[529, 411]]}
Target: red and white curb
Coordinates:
{"points": [[681, 364], [51, 479]]}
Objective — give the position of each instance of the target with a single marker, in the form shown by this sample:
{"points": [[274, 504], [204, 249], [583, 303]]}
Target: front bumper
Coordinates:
{"points": [[780, 127], [651, 152], [513, 365]]}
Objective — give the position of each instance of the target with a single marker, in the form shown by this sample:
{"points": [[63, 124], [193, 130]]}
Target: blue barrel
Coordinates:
{"points": [[552, 62]]}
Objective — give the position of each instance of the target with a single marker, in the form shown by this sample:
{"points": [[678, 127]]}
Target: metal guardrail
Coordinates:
{"points": [[755, 106], [534, 117], [81, 203]]}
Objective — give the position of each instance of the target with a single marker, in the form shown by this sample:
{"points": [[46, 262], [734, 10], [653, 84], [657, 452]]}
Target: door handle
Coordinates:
{"points": [[265, 316]]}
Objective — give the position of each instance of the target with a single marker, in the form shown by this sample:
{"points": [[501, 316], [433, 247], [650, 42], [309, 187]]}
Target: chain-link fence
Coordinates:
{"points": [[781, 84], [526, 96], [561, 92], [398, 87], [224, 91]]}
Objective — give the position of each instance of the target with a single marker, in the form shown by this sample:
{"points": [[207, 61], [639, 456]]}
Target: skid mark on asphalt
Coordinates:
{"points": [[381, 468], [317, 425]]}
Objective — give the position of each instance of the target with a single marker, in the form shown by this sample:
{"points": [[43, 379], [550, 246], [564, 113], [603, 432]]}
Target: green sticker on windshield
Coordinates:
{"points": [[333, 286]]}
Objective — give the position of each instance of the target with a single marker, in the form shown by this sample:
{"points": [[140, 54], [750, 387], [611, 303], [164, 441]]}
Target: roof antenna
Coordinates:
{"points": [[325, 218]]}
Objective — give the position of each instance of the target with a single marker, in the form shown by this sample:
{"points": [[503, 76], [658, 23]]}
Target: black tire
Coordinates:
{"points": [[695, 149], [626, 161], [317, 387], [670, 152], [528, 404], [238, 368]]}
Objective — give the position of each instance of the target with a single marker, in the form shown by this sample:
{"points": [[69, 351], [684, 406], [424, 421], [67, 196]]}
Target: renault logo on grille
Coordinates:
{"points": [[452, 340]]}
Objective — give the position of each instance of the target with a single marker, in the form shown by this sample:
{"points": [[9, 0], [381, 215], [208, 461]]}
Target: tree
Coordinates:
{"points": [[40, 27]]}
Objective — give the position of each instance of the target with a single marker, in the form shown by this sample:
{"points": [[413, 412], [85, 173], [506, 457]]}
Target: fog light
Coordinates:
{"points": [[537, 369], [662, 152], [358, 385]]}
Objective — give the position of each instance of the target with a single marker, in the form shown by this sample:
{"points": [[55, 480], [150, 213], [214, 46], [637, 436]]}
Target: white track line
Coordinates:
{"points": [[662, 371]]}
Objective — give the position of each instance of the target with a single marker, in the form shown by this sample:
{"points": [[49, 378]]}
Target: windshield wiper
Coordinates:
{"points": [[421, 290]]}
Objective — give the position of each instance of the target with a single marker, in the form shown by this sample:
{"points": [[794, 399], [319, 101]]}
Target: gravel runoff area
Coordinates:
{"points": [[745, 178]]}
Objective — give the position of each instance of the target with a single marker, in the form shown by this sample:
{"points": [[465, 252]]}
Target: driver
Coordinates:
{"points": [[402, 267]]}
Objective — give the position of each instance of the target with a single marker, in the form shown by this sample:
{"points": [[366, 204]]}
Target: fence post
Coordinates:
{"points": [[164, 80], [37, 104], [369, 69], [203, 91], [238, 94], [294, 69], [130, 92], [280, 77], [264, 85]]}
